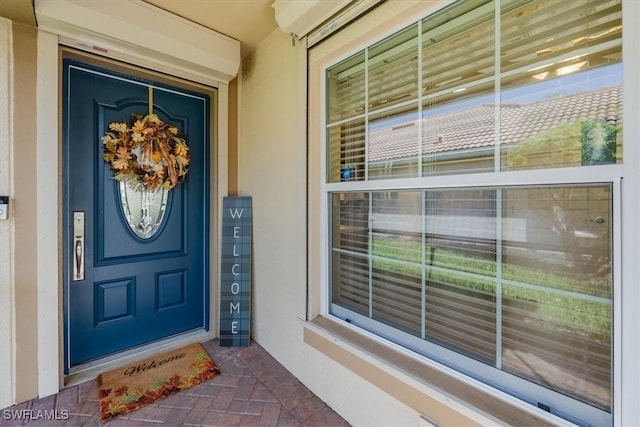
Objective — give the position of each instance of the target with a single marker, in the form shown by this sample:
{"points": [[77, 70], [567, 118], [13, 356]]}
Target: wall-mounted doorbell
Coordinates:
{"points": [[4, 207]]}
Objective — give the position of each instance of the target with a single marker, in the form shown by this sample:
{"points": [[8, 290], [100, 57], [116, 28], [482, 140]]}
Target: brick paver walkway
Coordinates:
{"points": [[252, 390]]}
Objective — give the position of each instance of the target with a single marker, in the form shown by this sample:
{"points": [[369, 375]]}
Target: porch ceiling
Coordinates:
{"points": [[18, 11]]}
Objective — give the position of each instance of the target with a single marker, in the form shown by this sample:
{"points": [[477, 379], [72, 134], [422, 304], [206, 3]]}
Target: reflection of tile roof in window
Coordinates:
{"points": [[473, 127]]}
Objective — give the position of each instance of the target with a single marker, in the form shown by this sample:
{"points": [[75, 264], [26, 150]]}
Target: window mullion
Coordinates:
{"points": [[423, 225], [420, 94], [498, 212], [366, 114], [366, 178], [423, 255], [499, 293], [370, 253], [497, 76]]}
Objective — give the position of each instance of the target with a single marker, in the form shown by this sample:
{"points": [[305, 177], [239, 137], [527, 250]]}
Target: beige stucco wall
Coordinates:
{"points": [[272, 168], [18, 279]]}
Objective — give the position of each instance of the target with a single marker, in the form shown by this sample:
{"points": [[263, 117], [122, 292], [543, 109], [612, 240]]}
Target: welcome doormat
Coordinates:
{"points": [[126, 389]]}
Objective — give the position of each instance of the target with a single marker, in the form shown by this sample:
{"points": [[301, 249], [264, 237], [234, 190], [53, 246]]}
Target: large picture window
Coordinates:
{"points": [[471, 184]]}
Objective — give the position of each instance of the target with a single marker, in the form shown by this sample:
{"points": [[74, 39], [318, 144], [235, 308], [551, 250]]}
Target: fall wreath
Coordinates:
{"points": [[148, 153]]}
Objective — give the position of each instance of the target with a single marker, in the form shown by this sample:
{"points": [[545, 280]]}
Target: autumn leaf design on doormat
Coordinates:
{"points": [[133, 387]]}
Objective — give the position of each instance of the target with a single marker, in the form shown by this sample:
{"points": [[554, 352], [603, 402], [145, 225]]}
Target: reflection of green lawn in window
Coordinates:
{"points": [[560, 303]]}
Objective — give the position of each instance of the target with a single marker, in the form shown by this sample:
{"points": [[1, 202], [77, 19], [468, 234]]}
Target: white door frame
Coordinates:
{"points": [[49, 219]]}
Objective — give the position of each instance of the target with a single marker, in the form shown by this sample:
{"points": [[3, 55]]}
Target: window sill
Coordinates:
{"points": [[442, 396]]}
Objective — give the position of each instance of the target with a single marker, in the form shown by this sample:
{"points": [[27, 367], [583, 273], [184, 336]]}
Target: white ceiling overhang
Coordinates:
{"points": [[137, 31]]}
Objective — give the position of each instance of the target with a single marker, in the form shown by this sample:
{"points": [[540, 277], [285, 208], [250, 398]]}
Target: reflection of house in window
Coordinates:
{"points": [[544, 134]]}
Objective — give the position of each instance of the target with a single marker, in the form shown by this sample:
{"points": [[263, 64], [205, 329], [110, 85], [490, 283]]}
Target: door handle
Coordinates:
{"points": [[78, 246]]}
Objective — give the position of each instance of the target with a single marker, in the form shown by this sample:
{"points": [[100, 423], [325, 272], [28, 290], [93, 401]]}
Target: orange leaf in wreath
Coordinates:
{"points": [[181, 149], [118, 127], [156, 156], [120, 163], [137, 137], [159, 171], [138, 126]]}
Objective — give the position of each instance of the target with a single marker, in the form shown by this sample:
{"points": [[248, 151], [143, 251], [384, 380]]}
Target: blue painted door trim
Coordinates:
{"points": [[135, 291]]}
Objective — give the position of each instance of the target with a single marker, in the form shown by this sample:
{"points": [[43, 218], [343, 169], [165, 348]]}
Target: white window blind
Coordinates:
{"points": [[519, 278], [559, 84]]}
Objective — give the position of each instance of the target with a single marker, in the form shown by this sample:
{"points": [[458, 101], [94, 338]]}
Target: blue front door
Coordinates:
{"points": [[134, 288]]}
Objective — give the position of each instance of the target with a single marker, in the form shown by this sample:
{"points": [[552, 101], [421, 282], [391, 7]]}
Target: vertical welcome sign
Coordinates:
{"points": [[235, 283]]}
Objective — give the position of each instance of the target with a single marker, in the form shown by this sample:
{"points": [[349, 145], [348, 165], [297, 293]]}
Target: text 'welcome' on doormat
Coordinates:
{"points": [[126, 389]]}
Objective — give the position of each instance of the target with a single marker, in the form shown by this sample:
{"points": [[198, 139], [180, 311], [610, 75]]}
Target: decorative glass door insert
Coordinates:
{"points": [[143, 209]]}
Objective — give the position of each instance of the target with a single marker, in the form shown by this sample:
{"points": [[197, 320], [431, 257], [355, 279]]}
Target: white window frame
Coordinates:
{"points": [[606, 174]]}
